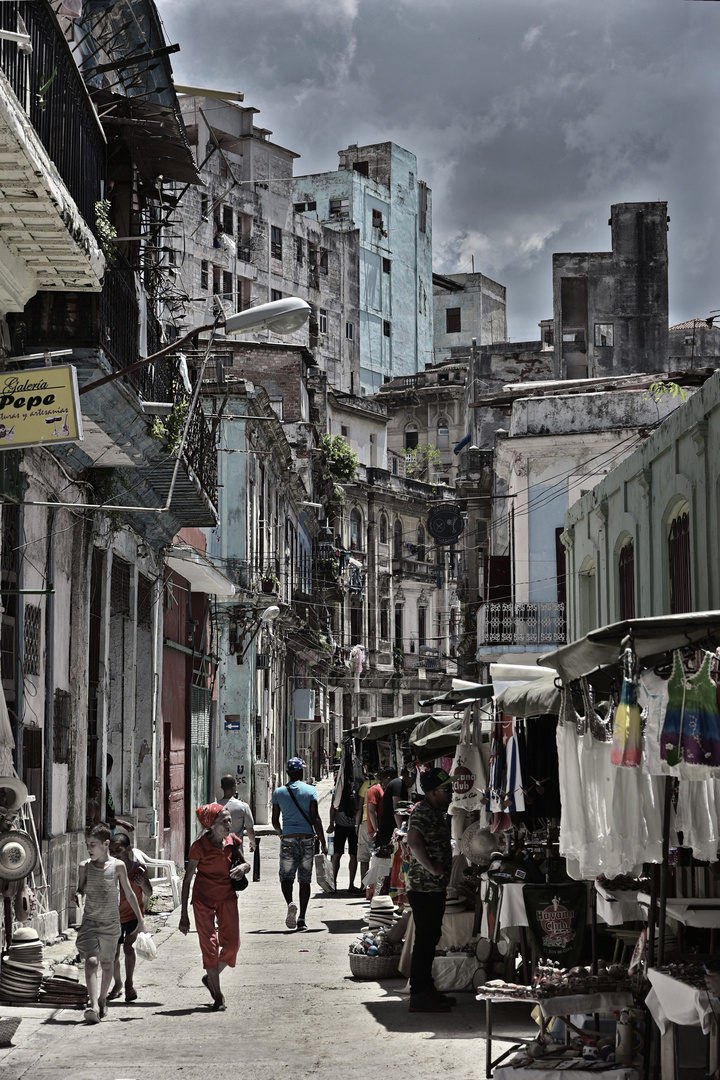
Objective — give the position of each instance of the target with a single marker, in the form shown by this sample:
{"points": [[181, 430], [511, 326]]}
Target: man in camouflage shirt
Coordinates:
{"points": [[427, 880]]}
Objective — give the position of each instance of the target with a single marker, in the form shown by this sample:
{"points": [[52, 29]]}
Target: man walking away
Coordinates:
{"points": [[240, 812], [427, 880], [342, 825], [297, 802]]}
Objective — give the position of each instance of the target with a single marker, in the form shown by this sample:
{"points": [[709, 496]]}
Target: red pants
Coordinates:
{"points": [[226, 934]]}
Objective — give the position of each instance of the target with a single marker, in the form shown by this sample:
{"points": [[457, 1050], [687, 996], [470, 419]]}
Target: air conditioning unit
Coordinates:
{"points": [[304, 705], [262, 660]]}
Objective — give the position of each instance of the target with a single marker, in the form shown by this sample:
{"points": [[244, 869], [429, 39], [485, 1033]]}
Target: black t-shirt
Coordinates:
{"points": [[395, 790]]}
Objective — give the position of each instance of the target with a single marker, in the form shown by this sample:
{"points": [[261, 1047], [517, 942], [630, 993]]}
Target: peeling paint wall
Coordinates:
{"points": [[482, 314]]}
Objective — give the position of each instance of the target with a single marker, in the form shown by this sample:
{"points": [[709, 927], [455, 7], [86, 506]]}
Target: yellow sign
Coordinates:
{"points": [[39, 408]]}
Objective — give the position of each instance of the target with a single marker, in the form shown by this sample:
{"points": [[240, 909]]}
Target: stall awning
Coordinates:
{"points": [[535, 698], [461, 691], [651, 637], [198, 569], [383, 729]]}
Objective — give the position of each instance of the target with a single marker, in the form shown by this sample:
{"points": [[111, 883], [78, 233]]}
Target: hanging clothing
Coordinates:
{"points": [[691, 729], [537, 746], [627, 727], [505, 775], [698, 817]]}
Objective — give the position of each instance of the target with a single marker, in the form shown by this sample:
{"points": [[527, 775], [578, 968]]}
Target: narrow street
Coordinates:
{"points": [[292, 1005]]}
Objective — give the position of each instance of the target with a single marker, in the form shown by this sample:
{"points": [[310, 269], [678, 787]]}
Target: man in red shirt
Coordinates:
{"points": [[375, 801]]}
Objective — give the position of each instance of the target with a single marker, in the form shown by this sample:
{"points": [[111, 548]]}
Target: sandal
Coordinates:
{"points": [[218, 1004], [103, 1010], [92, 1017], [115, 993], [131, 995]]}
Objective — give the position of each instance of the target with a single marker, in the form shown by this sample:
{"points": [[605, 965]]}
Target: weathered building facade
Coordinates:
{"points": [[466, 307]]}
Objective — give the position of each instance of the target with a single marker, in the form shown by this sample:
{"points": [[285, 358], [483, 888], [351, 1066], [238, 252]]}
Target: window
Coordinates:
{"points": [[387, 705], [244, 286], [386, 266], [422, 626], [339, 208], [408, 704], [603, 334], [411, 438], [679, 563], [275, 294], [355, 529], [275, 242], [452, 320], [299, 207], [204, 276], [361, 167], [227, 286], [312, 206], [397, 540], [322, 320], [383, 531], [386, 327], [377, 220], [626, 574], [203, 205], [364, 704], [420, 548], [422, 205], [384, 621], [323, 264], [443, 436], [299, 249], [399, 640], [312, 257], [344, 431], [31, 654], [172, 257], [62, 727], [349, 331], [227, 220]]}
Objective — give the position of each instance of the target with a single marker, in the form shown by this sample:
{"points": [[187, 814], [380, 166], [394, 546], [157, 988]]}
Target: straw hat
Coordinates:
{"points": [[18, 855], [13, 793], [477, 844]]}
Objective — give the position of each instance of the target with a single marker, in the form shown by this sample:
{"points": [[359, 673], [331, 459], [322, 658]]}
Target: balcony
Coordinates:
{"points": [[52, 163], [528, 625]]}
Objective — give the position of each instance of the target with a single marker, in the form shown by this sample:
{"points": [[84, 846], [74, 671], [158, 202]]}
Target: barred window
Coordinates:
{"points": [[120, 587], [31, 636], [407, 704], [144, 600], [386, 705]]}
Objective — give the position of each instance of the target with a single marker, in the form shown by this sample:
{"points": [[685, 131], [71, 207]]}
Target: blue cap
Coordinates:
{"points": [[295, 764]]}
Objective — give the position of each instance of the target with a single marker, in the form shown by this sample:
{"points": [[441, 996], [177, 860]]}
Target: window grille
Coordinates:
{"points": [[199, 716], [386, 705], [626, 571], [679, 564], [31, 636], [62, 727], [408, 704], [144, 600], [120, 587]]}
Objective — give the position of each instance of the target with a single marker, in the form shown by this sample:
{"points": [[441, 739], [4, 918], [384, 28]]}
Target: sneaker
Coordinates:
{"points": [[426, 1003], [445, 999], [291, 919], [301, 925]]}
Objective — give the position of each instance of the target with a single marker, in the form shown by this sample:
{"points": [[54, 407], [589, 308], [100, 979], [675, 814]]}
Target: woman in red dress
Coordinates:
{"points": [[213, 896]]}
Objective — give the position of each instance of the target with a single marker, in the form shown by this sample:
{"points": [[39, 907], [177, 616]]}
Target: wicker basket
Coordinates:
{"points": [[374, 967], [8, 1027]]}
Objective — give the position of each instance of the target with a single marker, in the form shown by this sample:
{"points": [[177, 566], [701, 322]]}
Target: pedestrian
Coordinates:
{"points": [[428, 874], [240, 812], [395, 792], [361, 828], [297, 802], [214, 899], [375, 801], [121, 848], [342, 827], [98, 880]]}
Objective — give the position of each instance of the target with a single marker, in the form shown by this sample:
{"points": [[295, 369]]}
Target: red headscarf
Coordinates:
{"points": [[207, 814]]}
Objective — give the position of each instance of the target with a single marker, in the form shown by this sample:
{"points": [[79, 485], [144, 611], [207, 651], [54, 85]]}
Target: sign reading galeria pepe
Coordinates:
{"points": [[39, 408]]}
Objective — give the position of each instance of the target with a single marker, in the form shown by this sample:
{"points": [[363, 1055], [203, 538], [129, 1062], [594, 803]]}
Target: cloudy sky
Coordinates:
{"points": [[528, 117]]}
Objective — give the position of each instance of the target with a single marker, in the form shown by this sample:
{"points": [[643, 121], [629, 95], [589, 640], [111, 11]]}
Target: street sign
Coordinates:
{"points": [[445, 523], [232, 725], [39, 407]]}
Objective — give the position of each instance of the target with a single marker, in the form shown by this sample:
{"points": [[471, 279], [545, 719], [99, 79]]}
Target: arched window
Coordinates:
{"points": [[420, 548], [383, 529], [397, 540], [355, 529], [679, 560], [626, 578], [412, 436]]}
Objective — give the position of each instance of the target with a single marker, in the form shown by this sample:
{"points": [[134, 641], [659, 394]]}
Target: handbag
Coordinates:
{"points": [[238, 884], [317, 839], [469, 777]]}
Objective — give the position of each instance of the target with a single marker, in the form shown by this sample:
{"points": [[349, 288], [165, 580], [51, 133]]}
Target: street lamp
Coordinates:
{"points": [[281, 316]]}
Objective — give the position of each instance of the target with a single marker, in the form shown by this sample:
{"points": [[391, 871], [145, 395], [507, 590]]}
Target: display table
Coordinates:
{"points": [[689, 910], [617, 906], [673, 1002], [506, 1072], [457, 930]]}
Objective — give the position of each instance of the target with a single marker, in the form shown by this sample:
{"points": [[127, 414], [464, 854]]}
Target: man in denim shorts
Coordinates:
{"points": [[297, 802]]}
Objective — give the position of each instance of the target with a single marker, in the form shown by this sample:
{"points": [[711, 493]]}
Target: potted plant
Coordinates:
{"points": [[269, 582]]}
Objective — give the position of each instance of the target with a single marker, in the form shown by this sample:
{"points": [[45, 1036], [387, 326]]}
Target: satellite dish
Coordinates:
{"points": [[270, 613]]}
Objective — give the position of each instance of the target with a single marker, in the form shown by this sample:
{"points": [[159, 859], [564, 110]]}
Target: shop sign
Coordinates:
{"points": [[39, 407], [445, 524]]}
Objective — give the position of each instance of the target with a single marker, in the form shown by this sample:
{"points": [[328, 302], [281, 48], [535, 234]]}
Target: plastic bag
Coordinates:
{"points": [[145, 946], [324, 873]]}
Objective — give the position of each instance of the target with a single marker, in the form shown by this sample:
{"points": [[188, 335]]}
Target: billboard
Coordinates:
{"points": [[39, 407]]}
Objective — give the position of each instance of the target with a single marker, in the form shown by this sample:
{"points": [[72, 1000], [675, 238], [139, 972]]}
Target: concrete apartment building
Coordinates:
{"points": [[239, 241], [466, 306], [376, 194]]}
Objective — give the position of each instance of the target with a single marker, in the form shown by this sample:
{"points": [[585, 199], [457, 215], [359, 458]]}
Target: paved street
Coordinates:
{"points": [[292, 1005]]}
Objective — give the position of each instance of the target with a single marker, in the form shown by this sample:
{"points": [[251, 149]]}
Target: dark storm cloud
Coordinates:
{"points": [[529, 117]]}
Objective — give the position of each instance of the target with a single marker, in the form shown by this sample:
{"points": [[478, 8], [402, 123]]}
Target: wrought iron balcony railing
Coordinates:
{"points": [[541, 623], [50, 89]]}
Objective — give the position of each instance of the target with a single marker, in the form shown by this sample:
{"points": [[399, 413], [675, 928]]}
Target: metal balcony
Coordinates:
{"points": [[541, 623]]}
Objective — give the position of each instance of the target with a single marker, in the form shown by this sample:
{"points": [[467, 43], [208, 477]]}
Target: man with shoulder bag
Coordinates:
{"points": [[301, 825]]}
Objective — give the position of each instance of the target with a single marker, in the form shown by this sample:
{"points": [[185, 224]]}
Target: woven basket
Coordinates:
{"points": [[374, 967], [8, 1027]]}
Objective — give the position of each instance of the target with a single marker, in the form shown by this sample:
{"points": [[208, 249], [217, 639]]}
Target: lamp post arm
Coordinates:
{"points": [[148, 359]]}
